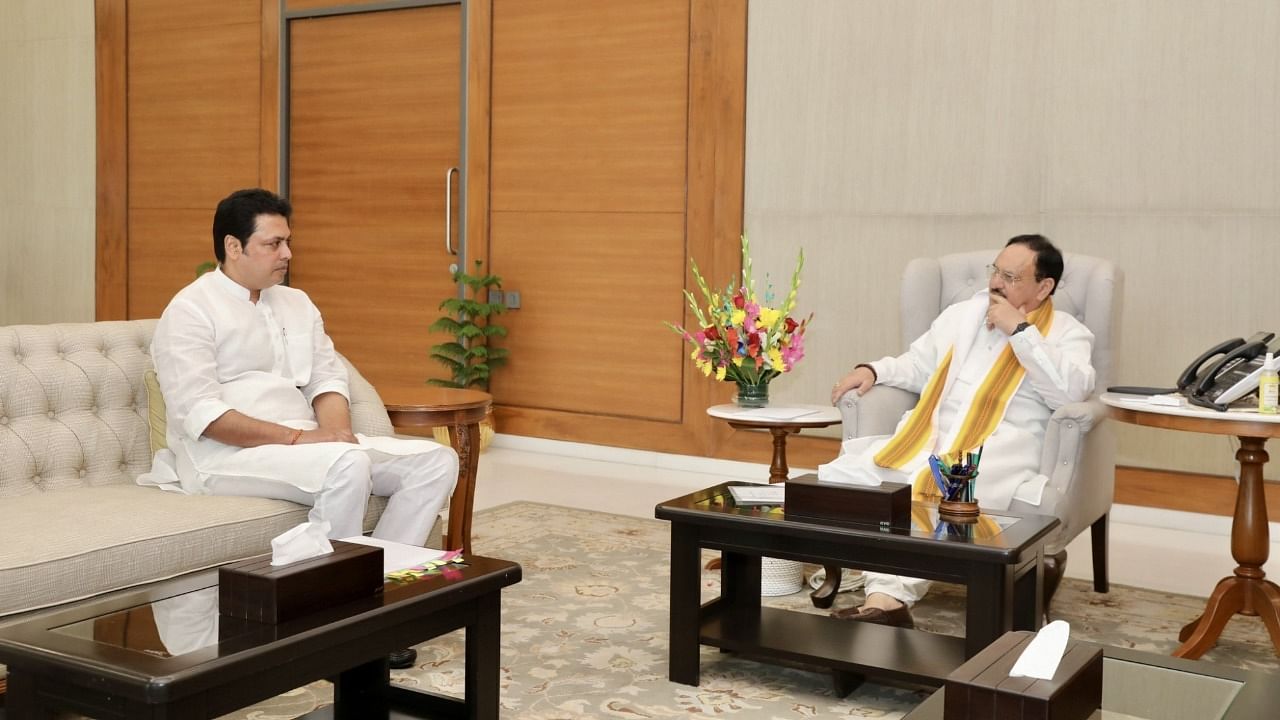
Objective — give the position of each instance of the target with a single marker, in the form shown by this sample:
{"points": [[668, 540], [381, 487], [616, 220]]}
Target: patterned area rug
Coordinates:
{"points": [[584, 635]]}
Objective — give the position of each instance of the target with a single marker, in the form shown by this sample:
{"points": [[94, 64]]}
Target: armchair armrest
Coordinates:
{"points": [[875, 413], [1079, 460]]}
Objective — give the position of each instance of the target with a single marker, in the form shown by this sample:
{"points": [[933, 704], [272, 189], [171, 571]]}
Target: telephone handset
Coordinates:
{"points": [[1220, 375], [1235, 375], [1193, 371]]}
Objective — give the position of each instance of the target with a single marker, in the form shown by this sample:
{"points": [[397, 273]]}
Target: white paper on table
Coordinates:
{"points": [[398, 556], [778, 413], [1044, 652]]}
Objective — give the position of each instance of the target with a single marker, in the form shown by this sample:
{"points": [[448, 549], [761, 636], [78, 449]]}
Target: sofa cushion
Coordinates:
{"points": [[73, 544]]}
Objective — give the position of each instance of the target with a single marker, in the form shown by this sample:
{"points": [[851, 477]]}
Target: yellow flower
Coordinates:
{"points": [[694, 354], [775, 360], [738, 317], [769, 316], [705, 367], [720, 371], [737, 361]]}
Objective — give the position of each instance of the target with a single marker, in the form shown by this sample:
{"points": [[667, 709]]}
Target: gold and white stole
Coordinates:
{"points": [[913, 443]]}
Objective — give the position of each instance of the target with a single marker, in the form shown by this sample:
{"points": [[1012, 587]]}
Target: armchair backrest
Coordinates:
{"points": [[1091, 290]]}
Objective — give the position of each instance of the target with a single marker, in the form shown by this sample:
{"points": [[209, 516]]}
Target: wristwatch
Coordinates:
{"points": [[1021, 326]]}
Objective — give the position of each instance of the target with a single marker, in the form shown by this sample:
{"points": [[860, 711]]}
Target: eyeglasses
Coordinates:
{"points": [[1008, 277]]}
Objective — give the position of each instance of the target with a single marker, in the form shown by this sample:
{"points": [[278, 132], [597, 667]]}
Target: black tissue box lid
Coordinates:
{"points": [[255, 590], [889, 504]]}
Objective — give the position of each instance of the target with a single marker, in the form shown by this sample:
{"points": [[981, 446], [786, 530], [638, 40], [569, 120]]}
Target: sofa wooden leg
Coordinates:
{"points": [[1099, 540]]}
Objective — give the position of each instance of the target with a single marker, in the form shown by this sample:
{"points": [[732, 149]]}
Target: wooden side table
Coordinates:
{"points": [[740, 418], [1247, 591], [417, 406], [780, 426]]}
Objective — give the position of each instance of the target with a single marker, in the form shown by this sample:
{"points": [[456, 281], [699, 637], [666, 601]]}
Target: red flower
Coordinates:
{"points": [[731, 338], [713, 333], [738, 301], [791, 325]]}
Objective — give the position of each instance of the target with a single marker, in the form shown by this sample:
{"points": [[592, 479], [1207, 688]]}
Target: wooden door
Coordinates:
{"points": [[587, 204], [374, 114]]}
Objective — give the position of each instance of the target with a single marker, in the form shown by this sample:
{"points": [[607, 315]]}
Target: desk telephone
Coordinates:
{"points": [[1222, 375]]}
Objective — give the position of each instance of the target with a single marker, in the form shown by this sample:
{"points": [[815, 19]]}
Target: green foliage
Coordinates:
{"points": [[205, 267], [469, 357]]}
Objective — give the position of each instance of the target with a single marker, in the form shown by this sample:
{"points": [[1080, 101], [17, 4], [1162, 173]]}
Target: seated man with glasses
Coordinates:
{"points": [[990, 372]]}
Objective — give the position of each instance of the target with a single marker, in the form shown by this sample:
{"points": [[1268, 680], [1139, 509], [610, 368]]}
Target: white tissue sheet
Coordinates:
{"points": [[308, 540], [839, 474], [1044, 652]]}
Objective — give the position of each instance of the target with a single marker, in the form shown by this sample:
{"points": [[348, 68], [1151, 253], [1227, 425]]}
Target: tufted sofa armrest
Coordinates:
{"points": [[875, 413]]}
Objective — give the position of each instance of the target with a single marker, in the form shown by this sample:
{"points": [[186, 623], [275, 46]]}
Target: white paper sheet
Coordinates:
{"points": [[398, 556]]}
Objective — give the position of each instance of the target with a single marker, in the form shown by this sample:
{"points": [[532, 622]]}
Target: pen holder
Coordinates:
{"points": [[958, 511], [961, 506]]}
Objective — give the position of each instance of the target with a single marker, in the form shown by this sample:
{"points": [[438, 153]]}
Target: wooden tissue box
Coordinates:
{"points": [[981, 689], [255, 590], [888, 505]]}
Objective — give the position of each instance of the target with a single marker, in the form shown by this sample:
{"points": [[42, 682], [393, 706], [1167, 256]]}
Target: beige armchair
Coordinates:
{"points": [[1079, 449]]}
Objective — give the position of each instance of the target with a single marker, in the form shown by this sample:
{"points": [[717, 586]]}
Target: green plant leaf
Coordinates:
{"points": [[444, 383], [445, 325]]}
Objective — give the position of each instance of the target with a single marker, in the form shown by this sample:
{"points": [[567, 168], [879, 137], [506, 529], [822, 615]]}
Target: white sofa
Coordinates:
{"points": [[73, 439]]}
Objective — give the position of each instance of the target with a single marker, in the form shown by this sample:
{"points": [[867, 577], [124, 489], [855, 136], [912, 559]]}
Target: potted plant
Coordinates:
{"points": [[469, 356]]}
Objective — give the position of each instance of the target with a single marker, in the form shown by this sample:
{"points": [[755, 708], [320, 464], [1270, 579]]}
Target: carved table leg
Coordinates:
{"points": [[1247, 591], [464, 437]]}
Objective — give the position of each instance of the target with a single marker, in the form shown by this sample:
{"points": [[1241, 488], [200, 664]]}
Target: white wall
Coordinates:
{"points": [[47, 140], [1145, 131]]}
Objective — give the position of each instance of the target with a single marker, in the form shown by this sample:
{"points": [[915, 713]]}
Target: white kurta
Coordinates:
{"points": [[1058, 371], [215, 350]]}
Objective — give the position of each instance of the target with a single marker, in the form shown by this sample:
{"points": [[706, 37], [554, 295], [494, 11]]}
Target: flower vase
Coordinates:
{"points": [[753, 396]]}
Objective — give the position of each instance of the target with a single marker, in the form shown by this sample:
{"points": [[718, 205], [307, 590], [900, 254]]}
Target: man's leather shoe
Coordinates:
{"points": [[1054, 567], [402, 659], [897, 617]]}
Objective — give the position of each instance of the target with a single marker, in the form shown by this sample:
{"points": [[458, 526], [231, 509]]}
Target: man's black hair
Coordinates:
{"points": [[1048, 257], [237, 216]]}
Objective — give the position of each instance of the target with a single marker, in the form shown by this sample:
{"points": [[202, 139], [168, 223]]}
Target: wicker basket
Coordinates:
{"points": [[780, 577]]}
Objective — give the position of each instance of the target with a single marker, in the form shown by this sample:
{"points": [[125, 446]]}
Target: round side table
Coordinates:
{"points": [[418, 406], [780, 421]]}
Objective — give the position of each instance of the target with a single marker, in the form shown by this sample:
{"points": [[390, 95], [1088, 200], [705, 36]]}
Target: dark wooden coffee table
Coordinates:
{"points": [[1002, 575], [107, 658]]}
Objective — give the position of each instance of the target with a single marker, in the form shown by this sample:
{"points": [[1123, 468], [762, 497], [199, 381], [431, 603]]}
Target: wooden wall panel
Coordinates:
{"points": [[166, 245], [193, 113], [148, 16], [291, 5], [194, 117], [597, 288], [111, 292], [374, 127], [589, 105]]}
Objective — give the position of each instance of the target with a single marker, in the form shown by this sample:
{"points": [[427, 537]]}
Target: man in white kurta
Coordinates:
{"points": [[257, 398], [1057, 371]]}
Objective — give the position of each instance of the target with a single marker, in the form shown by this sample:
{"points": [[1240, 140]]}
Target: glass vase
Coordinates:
{"points": [[753, 396]]}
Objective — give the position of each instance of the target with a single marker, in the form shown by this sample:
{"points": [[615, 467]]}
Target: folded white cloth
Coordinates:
{"points": [[307, 540]]}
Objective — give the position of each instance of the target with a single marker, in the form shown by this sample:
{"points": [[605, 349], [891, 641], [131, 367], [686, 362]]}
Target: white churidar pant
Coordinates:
{"points": [[417, 486]]}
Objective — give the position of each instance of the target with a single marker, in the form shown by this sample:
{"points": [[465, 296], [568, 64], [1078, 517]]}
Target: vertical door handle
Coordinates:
{"points": [[448, 211]]}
